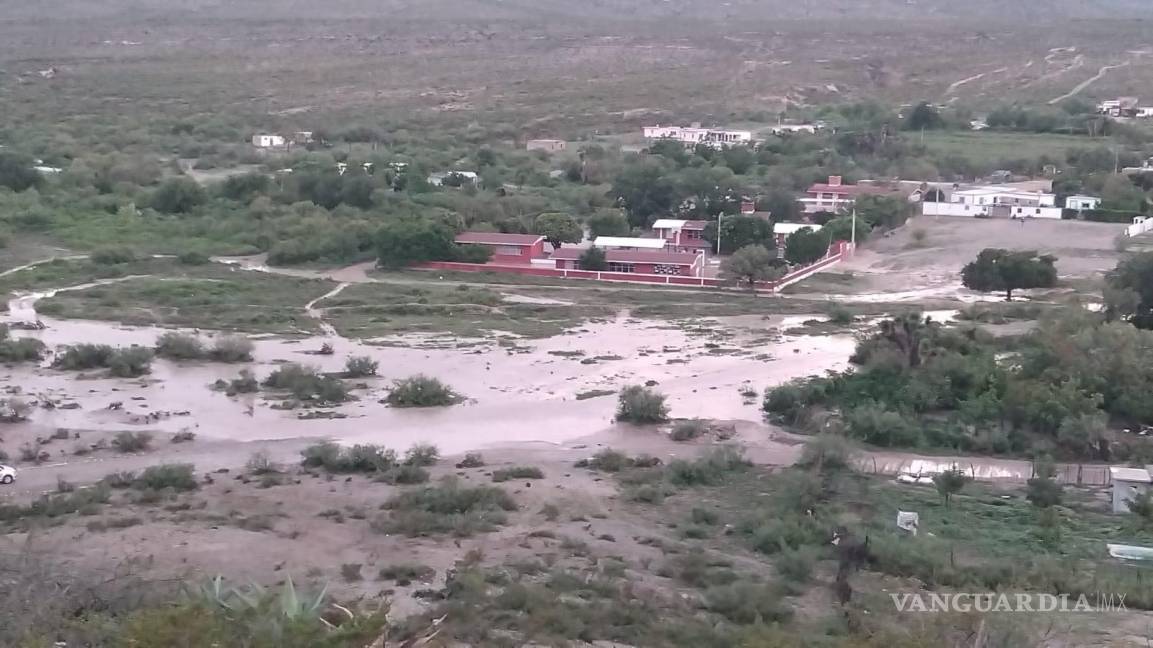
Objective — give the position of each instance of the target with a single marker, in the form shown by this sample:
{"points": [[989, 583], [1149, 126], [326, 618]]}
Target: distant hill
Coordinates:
{"points": [[583, 10]]}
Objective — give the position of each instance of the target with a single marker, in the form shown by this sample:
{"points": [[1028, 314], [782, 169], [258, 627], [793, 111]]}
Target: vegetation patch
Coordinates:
{"points": [[447, 508], [421, 391]]}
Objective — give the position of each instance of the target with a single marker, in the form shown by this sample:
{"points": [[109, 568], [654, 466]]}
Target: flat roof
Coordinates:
{"points": [[497, 238], [1121, 473], [629, 242], [789, 228], [668, 223], [632, 256]]}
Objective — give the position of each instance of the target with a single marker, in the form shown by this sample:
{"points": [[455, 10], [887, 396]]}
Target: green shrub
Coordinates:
{"points": [[130, 362], [641, 405], [360, 367], [83, 356], [179, 346], [113, 255], [607, 460], [688, 429], [827, 452], [445, 508], [422, 455], [231, 348], [708, 470], [306, 384], [517, 472], [795, 565], [746, 603], [840, 315], [783, 532], [404, 574], [260, 464], [421, 391], [194, 258], [175, 476], [126, 441], [471, 460], [404, 474], [875, 425], [245, 383], [354, 459], [20, 349]]}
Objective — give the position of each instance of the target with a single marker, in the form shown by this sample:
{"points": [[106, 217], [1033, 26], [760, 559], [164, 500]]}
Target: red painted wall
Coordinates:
{"points": [[527, 253]]}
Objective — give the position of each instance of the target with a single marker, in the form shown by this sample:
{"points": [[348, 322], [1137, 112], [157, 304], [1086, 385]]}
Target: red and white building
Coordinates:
{"points": [[649, 262], [682, 235], [834, 195], [506, 248]]}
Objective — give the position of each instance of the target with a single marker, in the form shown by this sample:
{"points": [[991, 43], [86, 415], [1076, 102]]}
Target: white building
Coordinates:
{"points": [[1082, 203], [437, 179], [628, 243], [548, 145], [268, 141], [996, 202], [782, 129], [1127, 483], [693, 135]]}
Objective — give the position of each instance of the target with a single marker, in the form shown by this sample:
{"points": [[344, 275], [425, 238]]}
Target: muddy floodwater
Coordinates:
{"points": [[518, 390]]}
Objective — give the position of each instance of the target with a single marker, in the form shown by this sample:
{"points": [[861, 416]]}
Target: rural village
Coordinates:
{"points": [[458, 324]]}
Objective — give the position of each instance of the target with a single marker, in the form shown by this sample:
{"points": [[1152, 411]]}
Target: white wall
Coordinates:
{"points": [[953, 209]]}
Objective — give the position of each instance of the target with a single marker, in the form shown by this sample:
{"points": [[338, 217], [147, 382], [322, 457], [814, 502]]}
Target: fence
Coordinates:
{"points": [[983, 469], [837, 252]]}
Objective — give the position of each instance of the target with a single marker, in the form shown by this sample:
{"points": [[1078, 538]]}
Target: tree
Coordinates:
{"points": [[1142, 507], [923, 117], [1120, 194], [805, 246], [593, 259], [781, 205], [1129, 290], [558, 228], [1043, 491], [907, 334], [886, 212], [737, 232], [177, 196], [841, 229], [739, 158], [996, 270], [16, 172], [402, 243], [608, 222], [949, 483], [644, 191], [749, 265]]}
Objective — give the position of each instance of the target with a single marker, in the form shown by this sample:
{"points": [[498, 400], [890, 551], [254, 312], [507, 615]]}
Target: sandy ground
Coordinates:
{"points": [[898, 268]]}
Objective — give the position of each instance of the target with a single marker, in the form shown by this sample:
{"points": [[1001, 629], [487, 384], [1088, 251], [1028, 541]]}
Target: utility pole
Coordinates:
{"points": [[853, 234], [720, 217]]}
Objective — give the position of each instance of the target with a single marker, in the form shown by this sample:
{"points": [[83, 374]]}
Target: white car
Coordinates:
{"points": [[7, 474]]}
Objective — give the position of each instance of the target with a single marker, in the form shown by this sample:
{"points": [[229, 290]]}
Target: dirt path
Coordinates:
{"points": [[310, 308], [1077, 89]]}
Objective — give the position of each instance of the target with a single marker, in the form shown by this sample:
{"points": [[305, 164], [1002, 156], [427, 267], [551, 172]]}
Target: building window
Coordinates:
{"points": [[665, 269], [693, 235], [1038, 210], [508, 250], [615, 266]]}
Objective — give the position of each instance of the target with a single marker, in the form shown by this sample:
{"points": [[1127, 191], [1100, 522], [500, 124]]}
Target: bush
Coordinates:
{"points": [[421, 391], [473, 254], [127, 441], [231, 348], [875, 425], [708, 470], [175, 476], [445, 508], [517, 472], [641, 405], [306, 384], [260, 464], [245, 383], [350, 572], [795, 565], [826, 452], [130, 362], [355, 459], [20, 349], [404, 474], [607, 460], [113, 255], [83, 356], [404, 574], [194, 258], [688, 429], [471, 460], [360, 367], [184, 436], [747, 603], [421, 455], [840, 315], [179, 346]]}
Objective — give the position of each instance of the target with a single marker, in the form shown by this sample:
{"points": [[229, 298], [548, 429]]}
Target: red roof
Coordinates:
{"points": [[695, 225], [632, 256], [846, 190], [496, 238]]}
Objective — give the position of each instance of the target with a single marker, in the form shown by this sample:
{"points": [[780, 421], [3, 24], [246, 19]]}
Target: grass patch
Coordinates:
{"points": [[447, 508], [517, 472]]}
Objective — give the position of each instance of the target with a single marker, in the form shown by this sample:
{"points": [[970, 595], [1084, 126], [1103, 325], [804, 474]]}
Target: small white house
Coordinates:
{"points": [[437, 179], [1127, 484], [1082, 203], [268, 141]]}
